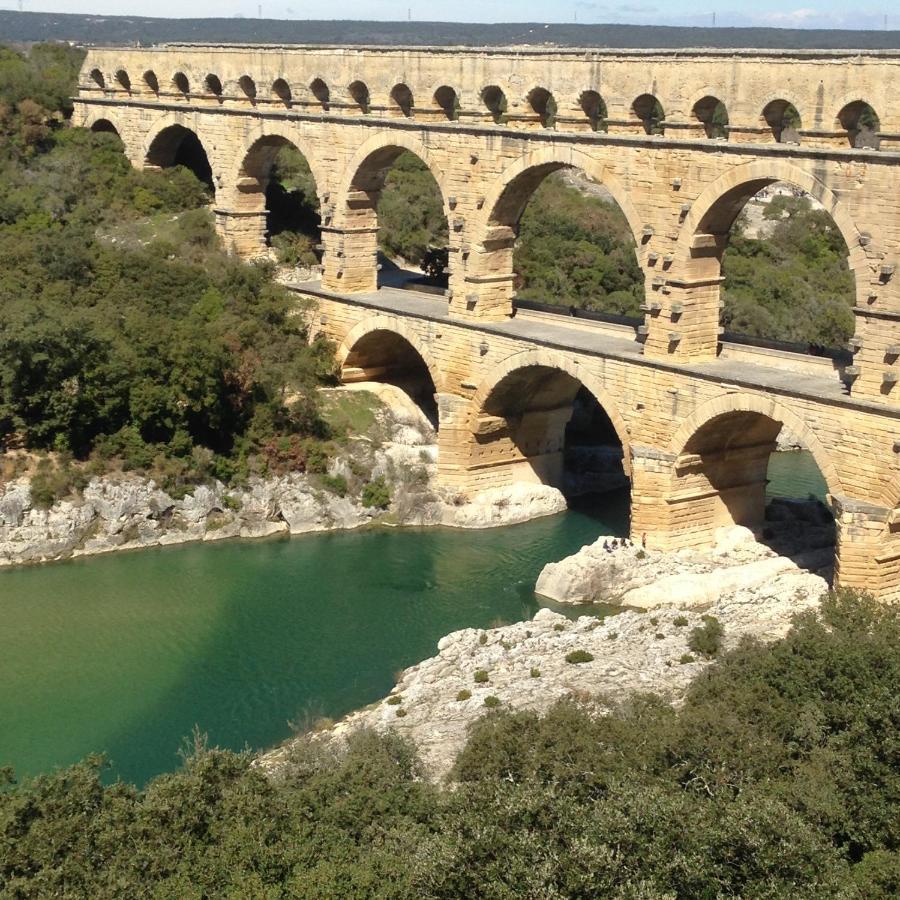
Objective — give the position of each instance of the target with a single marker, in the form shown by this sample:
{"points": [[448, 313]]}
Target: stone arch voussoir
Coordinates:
{"points": [[765, 406], [552, 359]]}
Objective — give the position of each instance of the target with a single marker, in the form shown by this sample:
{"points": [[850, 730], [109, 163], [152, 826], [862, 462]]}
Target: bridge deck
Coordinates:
{"points": [[598, 341]]}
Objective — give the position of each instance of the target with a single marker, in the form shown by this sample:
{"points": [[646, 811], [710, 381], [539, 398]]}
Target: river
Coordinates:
{"points": [[126, 653]]}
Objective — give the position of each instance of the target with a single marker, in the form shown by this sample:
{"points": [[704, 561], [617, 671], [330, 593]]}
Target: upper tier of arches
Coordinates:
{"points": [[709, 114]]}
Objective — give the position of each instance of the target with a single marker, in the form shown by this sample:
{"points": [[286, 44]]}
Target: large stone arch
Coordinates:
{"points": [[399, 327], [322, 174], [190, 121], [554, 157], [552, 359], [490, 276], [737, 402], [756, 175], [384, 141]]}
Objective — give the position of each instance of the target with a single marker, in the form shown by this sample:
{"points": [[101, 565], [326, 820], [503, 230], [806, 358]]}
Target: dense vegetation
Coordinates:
{"points": [[778, 778], [125, 332], [124, 30]]}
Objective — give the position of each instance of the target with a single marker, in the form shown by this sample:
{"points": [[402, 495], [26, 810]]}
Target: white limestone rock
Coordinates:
{"points": [[504, 506]]}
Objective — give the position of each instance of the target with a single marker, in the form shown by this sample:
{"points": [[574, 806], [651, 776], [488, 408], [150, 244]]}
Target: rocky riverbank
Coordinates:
{"points": [[530, 665], [125, 511]]}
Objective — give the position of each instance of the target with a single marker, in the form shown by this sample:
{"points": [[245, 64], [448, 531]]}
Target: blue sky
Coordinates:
{"points": [[807, 13]]}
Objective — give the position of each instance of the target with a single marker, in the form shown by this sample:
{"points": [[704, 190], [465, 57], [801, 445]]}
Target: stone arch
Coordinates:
{"points": [[551, 359], [372, 160], [495, 231], [648, 109], [151, 81], [721, 202], [124, 80], [705, 232], [255, 194], [360, 95], [774, 114], [512, 190], [745, 402], [282, 90], [400, 327], [594, 107], [446, 99], [383, 349], [402, 99], [181, 84], [859, 120], [712, 114], [213, 85], [288, 134], [105, 126], [248, 87], [98, 78], [494, 100], [543, 105], [321, 92], [163, 141]]}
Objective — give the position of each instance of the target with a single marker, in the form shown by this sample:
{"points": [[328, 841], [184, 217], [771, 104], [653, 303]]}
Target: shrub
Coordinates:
{"points": [[613, 635], [481, 676], [535, 672], [686, 658], [52, 482], [559, 627], [579, 656], [707, 638], [680, 621], [394, 700], [491, 702], [337, 484], [482, 638], [376, 494], [463, 695], [641, 554], [401, 713]]}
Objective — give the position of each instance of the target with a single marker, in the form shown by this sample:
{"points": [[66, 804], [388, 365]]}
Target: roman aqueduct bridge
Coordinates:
{"points": [[681, 140]]}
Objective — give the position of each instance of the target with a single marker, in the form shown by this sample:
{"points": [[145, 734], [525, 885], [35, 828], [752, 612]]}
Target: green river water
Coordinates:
{"points": [[126, 653]]}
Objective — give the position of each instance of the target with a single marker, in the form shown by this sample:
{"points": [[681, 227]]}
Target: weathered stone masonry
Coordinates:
{"points": [[697, 419]]}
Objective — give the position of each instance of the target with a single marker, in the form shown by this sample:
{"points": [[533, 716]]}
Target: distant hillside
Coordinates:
{"points": [[26, 27]]}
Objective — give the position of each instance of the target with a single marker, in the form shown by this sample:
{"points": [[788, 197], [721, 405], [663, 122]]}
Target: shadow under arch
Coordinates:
{"points": [[720, 477], [174, 144], [387, 352], [540, 418]]}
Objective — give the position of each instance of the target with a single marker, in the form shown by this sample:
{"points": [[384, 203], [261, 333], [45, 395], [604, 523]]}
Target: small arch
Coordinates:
{"points": [[711, 113], [248, 86], [495, 101], [213, 85], [151, 81], [543, 104], [123, 80], [780, 116], [359, 93], [97, 78], [385, 355], [104, 126], [594, 108], [320, 91], [175, 145], [650, 111], [402, 97], [282, 90], [181, 83], [861, 124], [447, 99]]}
